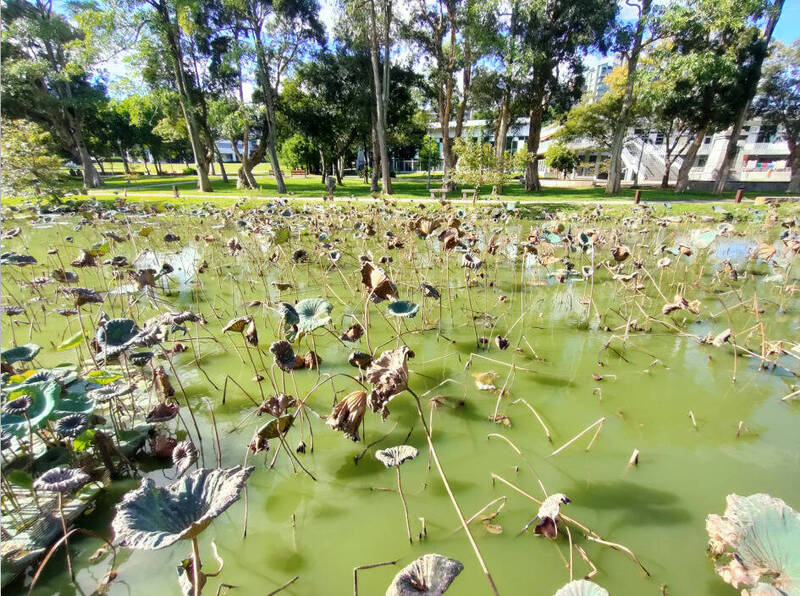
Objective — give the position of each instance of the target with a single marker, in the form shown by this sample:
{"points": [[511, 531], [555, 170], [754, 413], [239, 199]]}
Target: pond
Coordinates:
{"points": [[579, 300]]}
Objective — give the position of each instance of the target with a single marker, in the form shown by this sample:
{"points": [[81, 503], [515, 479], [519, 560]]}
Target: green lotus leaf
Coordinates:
{"points": [[102, 377], [12, 258], [74, 400], [289, 314], [313, 313], [71, 342], [429, 575], [758, 540], [114, 336], [581, 587], [24, 353], [43, 396], [20, 478], [270, 429], [552, 238], [152, 517], [705, 239], [99, 248], [403, 308]]}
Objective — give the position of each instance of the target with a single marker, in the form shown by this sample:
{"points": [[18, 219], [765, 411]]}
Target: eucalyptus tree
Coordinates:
{"points": [[179, 49], [768, 11], [630, 43], [447, 32], [281, 34], [556, 34], [46, 77], [778, 101], [369, 25]]}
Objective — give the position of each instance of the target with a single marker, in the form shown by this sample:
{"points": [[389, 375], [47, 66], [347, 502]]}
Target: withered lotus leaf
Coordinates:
{"points": [[378, 284], [581, 587], [389, 376], [347, 415], [548, 515]]}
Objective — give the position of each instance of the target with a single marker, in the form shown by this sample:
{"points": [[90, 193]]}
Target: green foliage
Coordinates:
{"points": [[560, 157], [297, 151], [478, 165], [429, 153], [29, 167]]}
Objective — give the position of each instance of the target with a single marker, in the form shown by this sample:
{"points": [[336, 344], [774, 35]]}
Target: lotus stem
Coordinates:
{"points": [[360, 567], [535, 413], [66, 542], [451, 495], [600, 421], [284, 586], [196, 566], [405, 507]]}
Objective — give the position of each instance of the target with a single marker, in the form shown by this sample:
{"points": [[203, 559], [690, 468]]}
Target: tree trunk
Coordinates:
{"points": [[100, 165], [534, 135], [733, 148], [124, 157], [621, 126], [221, 164], [373, 187], [379, 103], [337, 171], [794, 157], [688, 162], [91, 179], [502, 126]]}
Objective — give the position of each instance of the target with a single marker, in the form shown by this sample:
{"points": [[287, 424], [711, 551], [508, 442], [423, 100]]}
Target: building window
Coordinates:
{"points": [[659, 139], [766, 133], [701, 161], [706, 140]]}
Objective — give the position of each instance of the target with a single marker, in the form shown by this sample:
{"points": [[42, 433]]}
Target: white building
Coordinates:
{"points": [[763, 153], [594, 78], [226, 148]]}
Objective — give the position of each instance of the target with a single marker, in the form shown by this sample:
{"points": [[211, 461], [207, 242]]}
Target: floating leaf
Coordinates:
{"points": [[20, 478], [42, 395], [102, 377], [270, 429]]}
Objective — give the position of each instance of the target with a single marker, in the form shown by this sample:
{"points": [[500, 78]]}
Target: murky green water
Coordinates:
{"points": [[320, 530]]}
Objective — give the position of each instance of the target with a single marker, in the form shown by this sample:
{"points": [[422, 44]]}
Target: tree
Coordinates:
{"points": [[281, 33], [445, 32], [46, 77], [558, 33], [631, 55], [29, 168], [560, 157], [778, 101], [479, 165], [297, 151], [752, 73]]}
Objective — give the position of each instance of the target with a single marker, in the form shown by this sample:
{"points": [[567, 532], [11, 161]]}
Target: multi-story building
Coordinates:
{"points": [[763, 154]]}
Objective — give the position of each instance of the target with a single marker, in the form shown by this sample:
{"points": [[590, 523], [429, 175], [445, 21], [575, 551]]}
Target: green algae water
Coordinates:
{"points": [[581, 350]]}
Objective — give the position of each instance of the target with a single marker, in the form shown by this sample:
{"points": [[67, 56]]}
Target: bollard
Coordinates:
{"points": [[637, 197], [739, 194]]}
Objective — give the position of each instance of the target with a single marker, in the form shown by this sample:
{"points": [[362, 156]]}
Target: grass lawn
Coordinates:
{"points": [[405, 186]]}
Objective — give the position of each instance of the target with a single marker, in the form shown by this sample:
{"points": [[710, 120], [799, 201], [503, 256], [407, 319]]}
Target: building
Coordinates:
{"points": [[594, 78], [763, 155], [226, 148]]}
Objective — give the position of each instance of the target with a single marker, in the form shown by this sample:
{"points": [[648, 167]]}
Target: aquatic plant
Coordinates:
{"points": [[394, 457], [757, 540], [429, 575]]}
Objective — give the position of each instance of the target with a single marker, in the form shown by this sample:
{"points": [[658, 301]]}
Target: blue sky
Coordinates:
{"points": [[788, 28]]}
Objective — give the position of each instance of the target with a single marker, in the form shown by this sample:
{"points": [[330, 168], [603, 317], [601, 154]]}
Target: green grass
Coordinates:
{"points": [[407, 186]]}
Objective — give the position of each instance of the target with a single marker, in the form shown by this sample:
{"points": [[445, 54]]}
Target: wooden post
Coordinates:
{"points": [[637, 197], [739, 194]]}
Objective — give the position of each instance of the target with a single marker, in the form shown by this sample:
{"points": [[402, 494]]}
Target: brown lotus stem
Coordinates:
{"points": [[451, 495], [600, 421], [569, 537], [586, 558], [405, 507], [196, 566], [634, 459], [360, 567], [694, 422], [482, 509], [519, 452], [284, 586]]}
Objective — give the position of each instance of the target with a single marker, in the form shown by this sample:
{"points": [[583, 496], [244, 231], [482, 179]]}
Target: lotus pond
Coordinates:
{"points": [[629, 367]]}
